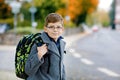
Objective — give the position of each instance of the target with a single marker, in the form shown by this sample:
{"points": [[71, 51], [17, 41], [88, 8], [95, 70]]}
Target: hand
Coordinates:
{"points": [[42, 50]]}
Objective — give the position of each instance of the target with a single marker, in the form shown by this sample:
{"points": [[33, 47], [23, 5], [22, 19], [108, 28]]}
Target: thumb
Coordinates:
{"points": [[44, 44]]}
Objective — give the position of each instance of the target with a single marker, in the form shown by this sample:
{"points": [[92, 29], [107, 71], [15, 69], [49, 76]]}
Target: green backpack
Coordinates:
{"points": [[23, 50]]}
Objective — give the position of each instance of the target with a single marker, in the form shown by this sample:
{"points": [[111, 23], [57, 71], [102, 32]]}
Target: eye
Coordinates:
{"points": [[59, 27], [51, 27]]}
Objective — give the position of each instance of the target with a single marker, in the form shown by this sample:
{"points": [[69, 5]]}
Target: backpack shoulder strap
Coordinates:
{"points": [[38, 39]]}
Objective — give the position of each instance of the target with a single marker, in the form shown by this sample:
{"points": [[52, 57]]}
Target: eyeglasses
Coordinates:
{"points": [[53, 27]]}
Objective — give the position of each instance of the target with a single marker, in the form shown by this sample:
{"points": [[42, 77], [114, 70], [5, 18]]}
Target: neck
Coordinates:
{"points": [[55, 40]]}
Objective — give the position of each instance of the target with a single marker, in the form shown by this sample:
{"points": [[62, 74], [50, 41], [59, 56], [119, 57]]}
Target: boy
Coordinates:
{"points": [[46, 61]]}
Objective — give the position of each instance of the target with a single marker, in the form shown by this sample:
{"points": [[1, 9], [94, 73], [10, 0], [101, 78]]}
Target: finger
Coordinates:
{"points": [[45, 45]]}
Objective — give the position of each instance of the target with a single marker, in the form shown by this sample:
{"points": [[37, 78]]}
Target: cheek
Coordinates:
{"points": [[50, 34], [61, 31]]}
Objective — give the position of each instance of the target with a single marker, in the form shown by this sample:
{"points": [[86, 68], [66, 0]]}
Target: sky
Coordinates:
{"points": [[105, 4]]}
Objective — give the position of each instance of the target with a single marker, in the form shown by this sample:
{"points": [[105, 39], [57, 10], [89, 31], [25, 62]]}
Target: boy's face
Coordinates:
{"points": [[54, 30]]}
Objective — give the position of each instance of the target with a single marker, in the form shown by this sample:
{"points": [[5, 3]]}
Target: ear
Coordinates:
{"points": [[45, 29]]}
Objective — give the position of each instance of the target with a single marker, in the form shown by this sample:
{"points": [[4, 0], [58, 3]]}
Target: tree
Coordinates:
{"points": [[79, 9], [112, 14], [47, 7], [5, 10], [99, 17], [87, 7], [44, 7]]}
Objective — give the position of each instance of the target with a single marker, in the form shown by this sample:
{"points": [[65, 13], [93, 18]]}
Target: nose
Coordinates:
{"points": [[55, 29]]}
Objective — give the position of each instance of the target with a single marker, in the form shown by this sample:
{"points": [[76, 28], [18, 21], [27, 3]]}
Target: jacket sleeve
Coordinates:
{"points": [[63, 73], [63, 69], [33, 62]]}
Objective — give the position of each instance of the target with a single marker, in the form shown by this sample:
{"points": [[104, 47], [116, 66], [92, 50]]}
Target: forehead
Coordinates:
{"points": [[55, 23]]}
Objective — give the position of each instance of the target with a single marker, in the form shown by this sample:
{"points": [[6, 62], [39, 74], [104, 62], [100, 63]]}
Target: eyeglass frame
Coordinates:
{"points": [[53, 27]]}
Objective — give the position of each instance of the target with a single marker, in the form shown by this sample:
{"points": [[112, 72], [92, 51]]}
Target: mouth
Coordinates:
{"points": [[55, 33]]}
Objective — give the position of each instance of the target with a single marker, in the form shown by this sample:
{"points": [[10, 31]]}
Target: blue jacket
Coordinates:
{"points": [[49, 67]]}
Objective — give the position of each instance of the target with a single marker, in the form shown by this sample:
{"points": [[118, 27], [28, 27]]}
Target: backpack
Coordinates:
{"points": [[23, 50]]}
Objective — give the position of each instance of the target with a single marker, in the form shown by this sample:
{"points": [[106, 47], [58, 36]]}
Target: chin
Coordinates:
{"points": [[55, 37]]}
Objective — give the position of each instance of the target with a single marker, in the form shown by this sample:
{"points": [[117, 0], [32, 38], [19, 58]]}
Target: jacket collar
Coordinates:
{"points": [[45, 37], [51, 45]]}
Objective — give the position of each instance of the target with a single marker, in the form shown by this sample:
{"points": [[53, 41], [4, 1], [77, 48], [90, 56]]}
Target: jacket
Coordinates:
{"points": [[49, 67]]}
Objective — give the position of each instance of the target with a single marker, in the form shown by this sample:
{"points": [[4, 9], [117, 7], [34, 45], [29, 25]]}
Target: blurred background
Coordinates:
{"points": [[92, 30], [27, 16]]}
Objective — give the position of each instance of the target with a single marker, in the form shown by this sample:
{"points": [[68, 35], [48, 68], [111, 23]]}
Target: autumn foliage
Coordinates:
{"points": [[75, 8], [5, 10]]}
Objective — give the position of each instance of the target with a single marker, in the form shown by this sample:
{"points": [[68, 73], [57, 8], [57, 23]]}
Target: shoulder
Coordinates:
{"points": [[34, 47], [63, 40]]}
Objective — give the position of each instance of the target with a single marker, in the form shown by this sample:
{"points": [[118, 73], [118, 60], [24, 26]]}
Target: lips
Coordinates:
{"points": [[55, 33]]}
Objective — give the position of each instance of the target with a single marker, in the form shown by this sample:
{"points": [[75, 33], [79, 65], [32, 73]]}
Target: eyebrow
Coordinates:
{"points": [[55, 25]]}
